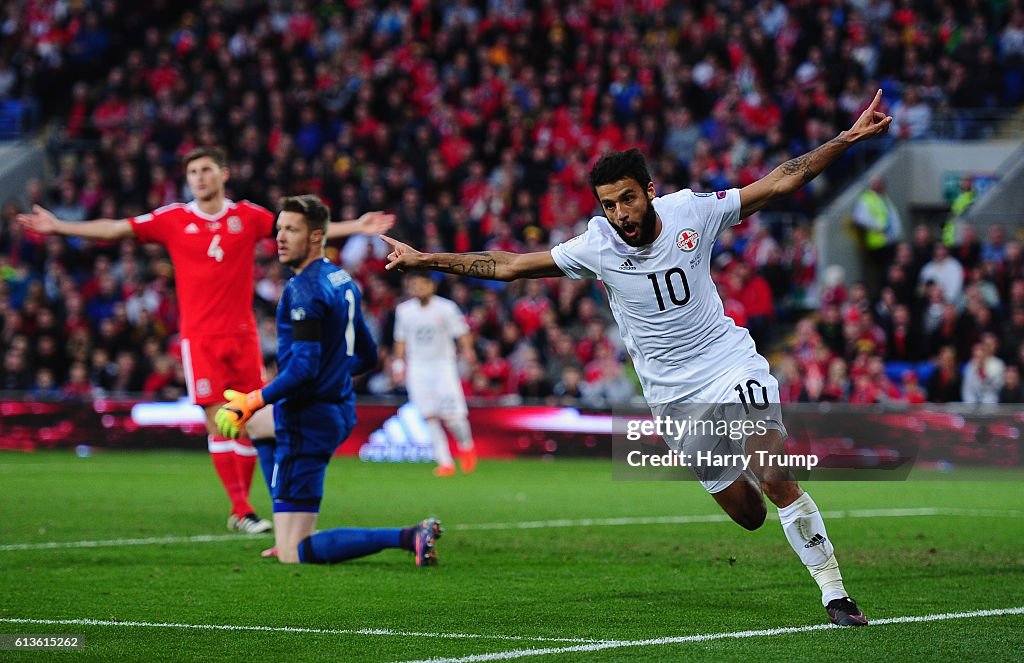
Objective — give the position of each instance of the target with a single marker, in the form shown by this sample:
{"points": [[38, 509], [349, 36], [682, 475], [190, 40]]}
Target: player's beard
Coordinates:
{"points": [[292, 261], [208, 195], [648, 225]]}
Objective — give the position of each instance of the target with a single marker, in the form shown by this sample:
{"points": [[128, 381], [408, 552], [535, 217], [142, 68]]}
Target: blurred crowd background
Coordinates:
{"points": [[476, 123]]}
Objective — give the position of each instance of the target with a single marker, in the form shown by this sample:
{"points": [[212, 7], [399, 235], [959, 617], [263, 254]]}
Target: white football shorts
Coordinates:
{"points": [[711, 427], [436, 391]]}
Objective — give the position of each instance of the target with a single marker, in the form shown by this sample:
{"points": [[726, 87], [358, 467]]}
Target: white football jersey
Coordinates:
{"points": [[429, 332], [669, 314]]}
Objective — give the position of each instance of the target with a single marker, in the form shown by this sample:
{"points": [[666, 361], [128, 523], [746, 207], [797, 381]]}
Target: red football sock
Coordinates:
{"points": [[222, 453], [245, 464]]}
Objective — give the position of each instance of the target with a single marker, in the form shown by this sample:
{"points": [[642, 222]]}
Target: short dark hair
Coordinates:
{"points": [[214, 153], [413, 275], [310, 207], [614, 166]]}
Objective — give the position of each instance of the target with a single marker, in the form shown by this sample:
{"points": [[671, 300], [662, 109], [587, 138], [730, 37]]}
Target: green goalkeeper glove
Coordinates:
{"points": [[238, 410]]}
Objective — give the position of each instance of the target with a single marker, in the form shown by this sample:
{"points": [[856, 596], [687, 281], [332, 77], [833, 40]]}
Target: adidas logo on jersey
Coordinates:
{"points": [[628, 265], [191, 229]]}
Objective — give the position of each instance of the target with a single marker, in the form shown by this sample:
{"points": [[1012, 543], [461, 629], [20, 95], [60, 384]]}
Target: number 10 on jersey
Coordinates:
{"points": [[674, 278]]}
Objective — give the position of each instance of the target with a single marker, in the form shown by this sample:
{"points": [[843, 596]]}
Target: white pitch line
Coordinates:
{"points": [[83, 467], [537, 524], [600, 646], [116, 543], [591, 522], [295, 629], [723, 518], [579, 644]]}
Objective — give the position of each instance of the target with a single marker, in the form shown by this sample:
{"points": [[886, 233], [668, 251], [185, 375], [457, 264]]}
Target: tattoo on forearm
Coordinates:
{"points": [[796, 167], [808, 166], [485, 268], [482, 267]]}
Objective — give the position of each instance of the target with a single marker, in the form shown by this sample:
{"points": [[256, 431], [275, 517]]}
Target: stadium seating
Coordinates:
{"points": [[476, 124]]}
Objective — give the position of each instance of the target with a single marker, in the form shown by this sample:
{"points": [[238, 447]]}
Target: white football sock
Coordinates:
{"points": [[805, 531], [442, 454], [459, 426]]}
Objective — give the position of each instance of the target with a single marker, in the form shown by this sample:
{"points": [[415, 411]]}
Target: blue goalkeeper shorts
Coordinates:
{"points": [[308, 433]]}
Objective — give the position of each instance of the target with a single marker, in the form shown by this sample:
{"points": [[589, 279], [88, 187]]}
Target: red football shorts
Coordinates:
{"points": [[215, 363]]}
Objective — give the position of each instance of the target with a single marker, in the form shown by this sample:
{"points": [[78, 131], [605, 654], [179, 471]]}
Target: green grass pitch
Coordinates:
{"points": [[944, 545]]}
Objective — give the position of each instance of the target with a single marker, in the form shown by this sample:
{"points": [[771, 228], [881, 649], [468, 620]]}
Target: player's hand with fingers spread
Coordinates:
{"points": [[402, 255], [374, 223], [238, 410], [871, 122], [40, 220]]}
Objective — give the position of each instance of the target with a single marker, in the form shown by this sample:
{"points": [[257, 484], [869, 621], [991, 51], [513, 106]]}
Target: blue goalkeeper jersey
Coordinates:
{"points": [[322, 338]]}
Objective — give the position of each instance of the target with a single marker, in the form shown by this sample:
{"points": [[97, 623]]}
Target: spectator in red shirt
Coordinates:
{"points": [[753, 292], [944, 384], [529, 309], [78, 384]]}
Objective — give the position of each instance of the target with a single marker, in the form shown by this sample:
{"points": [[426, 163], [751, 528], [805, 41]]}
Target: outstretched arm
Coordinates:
{"points": [[790, 176], [371, 223], [43, 221], [491, 265]]}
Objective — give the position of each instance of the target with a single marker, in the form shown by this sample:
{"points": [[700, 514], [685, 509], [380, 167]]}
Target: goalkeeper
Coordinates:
{"points": [[322, 341]]}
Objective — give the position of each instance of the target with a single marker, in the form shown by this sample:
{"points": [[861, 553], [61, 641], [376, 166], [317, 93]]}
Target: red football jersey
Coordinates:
{"points": [[213, 257]]}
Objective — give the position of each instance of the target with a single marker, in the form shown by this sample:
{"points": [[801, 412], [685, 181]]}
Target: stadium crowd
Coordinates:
{"points": [[476, 122]]}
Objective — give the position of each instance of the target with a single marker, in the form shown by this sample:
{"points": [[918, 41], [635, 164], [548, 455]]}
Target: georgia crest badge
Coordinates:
{"points": [[687, 240]]}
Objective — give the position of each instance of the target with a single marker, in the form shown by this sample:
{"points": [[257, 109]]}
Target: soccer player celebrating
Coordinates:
{"points": [[653, 255], [425, 327], [322, 342], [211, 242]]}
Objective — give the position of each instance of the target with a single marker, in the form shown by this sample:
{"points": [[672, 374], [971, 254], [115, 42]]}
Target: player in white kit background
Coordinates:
{"points": [[652, 254], [427, 327]]}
